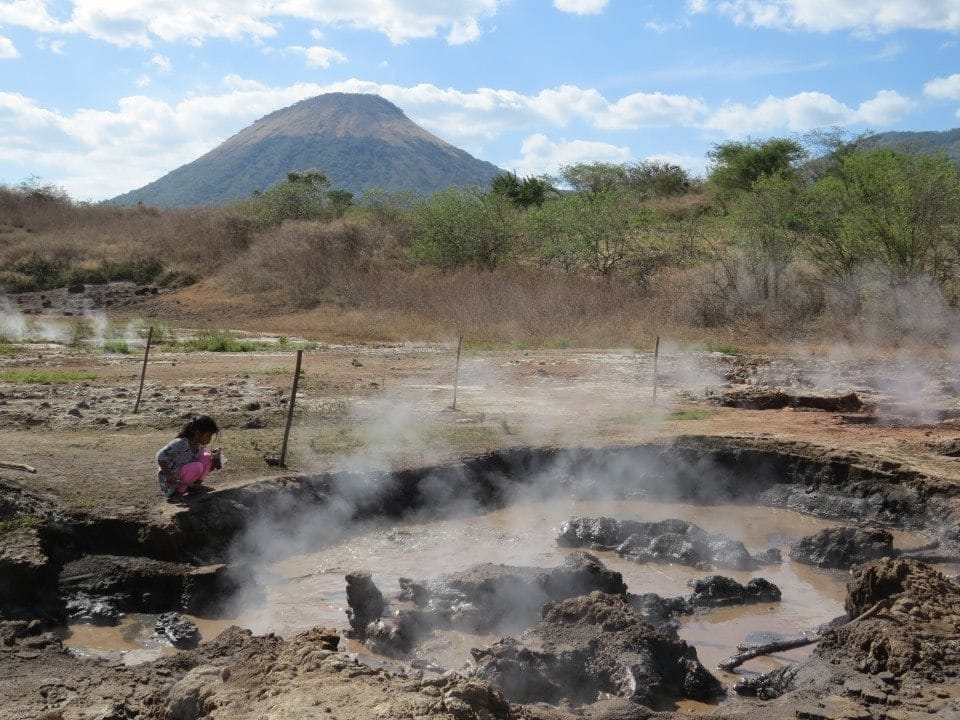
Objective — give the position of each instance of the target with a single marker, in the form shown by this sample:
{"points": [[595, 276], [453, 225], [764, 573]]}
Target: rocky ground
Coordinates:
{"points": [[862, 435]]}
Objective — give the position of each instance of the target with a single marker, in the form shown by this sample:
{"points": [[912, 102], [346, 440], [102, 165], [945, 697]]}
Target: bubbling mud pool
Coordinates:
{"points": [[309, 589]]}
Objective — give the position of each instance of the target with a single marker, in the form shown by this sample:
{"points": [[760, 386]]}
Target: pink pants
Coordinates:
{"points": [[194, 473]]}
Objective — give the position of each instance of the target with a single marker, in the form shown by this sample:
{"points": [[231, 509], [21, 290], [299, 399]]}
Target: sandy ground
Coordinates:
{"points": [[391, 406]]}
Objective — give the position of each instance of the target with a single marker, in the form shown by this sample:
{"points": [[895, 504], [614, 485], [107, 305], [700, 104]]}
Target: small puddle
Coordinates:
{"points": [[306, 590]]}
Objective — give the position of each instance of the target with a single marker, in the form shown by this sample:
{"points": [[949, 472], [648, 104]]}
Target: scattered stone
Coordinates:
{"points": [[254, 423], [75, 412], [252, 406]]}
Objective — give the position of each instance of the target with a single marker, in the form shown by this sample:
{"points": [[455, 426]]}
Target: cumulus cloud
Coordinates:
{"points": [[144, 22], [162, 62], [319, 56], [651, 109], [539, 155], [27, 13], [943, 88], [581, 7], [8, 50], [864, 16], [807, 111], [464, 32]]}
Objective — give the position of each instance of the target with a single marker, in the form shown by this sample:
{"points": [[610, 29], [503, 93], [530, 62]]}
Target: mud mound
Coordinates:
{"points": [[246, 677], [843, 547], [592, 645], [915, 633]]}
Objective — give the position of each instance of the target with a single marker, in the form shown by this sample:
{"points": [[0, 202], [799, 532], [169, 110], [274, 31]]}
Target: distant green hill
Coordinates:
{"points": [[359, 141], [920, 143]]}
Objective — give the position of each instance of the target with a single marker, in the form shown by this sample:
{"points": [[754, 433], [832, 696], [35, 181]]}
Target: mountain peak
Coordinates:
{"points": [[359, 141]]}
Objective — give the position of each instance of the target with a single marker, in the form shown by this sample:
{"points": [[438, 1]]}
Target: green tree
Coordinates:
{"points": [[464, 228], [657, 179], [524, 193], [302, 196], [598, 230], [738, 165], [593, 177], [769, 230], [340, 200], [888, 210]]}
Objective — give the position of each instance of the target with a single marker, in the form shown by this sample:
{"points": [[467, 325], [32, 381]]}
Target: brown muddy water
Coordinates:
{"points": [[309, 589]]}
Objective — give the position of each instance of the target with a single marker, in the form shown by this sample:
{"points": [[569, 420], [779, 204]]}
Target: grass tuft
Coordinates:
{"points": [[116, 346], [23, 521], [219, 341], [45, 377]]}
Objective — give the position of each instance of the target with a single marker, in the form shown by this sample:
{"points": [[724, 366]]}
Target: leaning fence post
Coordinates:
{"points": [[656, 361], [293, 400], [456, 373], [143, 371]]}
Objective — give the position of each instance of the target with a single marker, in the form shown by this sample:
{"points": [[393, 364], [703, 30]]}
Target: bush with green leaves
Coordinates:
{"points": [[886, 210], [460, 228]]}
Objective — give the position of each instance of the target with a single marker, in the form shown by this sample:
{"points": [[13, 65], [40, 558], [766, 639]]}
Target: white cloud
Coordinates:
{"points": [[539, 155], [320, 57], [8, 50], [580, 7], [27, 13], [864, 16], [142, 23], [54, 46], [143, 81], [162, 62], [943, 88], [807, 111], [885, 108], [651, 109], [464, 31]]}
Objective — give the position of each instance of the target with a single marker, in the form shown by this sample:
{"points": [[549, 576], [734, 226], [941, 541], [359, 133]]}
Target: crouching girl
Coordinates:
{"points": [[184, 462]]}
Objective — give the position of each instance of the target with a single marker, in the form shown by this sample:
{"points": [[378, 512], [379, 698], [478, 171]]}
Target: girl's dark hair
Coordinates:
{"points": [[199, 424]]}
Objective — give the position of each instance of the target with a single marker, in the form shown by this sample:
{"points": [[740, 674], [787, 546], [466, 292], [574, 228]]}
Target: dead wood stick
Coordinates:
{"points": [[17, 466], [734, 661]]}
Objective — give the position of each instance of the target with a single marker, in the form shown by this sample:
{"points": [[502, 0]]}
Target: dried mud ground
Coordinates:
{"points": [[389, 406]]}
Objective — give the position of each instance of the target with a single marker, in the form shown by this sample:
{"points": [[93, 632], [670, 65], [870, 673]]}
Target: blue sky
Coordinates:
{"points": [[103, 96]]}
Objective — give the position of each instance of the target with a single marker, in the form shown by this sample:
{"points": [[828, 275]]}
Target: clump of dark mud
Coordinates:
{"points": [[843, 547], [666, 541], [591, 645]]}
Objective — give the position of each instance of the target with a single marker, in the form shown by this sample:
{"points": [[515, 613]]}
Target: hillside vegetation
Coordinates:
{"points": [[862, 245]]}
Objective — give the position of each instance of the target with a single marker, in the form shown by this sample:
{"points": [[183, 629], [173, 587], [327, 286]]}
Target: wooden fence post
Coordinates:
{"points": [[143, 371], [293, 400], [656, 362], [456, 374]]}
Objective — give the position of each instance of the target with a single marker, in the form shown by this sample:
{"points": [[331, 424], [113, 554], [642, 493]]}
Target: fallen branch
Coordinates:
{"points": [[17, 466], [749, 653], [734, 661]]}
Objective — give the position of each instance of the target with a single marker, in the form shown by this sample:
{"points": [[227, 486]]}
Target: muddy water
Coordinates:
{"points": [[309, 589]]}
